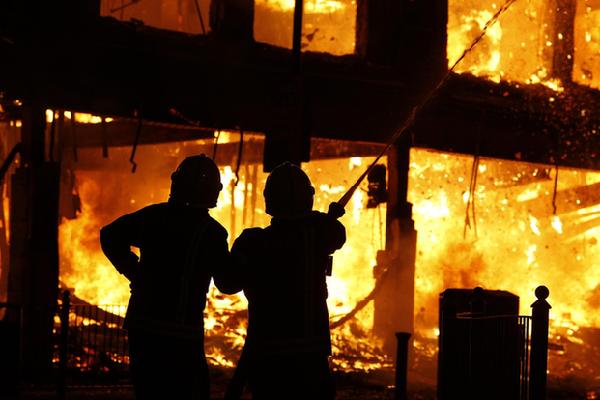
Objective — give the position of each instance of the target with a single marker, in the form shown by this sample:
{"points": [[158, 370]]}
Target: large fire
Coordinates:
{"points": [[520, 46], [86, 270], [328, 25], [512, 241]]}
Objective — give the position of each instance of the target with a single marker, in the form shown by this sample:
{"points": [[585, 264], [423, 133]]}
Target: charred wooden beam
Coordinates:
{"points": [[119, 133], [122, 131], [571, 200], [562, 38], [394, 303], [532, 124]]}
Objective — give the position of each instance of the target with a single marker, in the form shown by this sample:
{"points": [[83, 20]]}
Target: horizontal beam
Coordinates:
{"points": [[89, 138], [122, 69]]}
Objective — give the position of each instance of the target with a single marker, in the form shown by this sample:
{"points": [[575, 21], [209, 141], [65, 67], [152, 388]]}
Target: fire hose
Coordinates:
{"points": [[409, 121], [336, 209]]}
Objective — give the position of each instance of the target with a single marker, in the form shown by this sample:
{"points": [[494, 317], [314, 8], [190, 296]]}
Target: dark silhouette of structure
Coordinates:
{"points": [[487, 350], [181, 249], [473, 362], [282, 270], [110, 68]]}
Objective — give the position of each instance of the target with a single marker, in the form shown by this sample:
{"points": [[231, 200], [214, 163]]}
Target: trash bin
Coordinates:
{"points": [[478, 345]]}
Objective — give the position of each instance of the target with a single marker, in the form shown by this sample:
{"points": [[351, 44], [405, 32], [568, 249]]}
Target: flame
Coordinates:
{"points": [[519, 46], [586, 63], [82, 118], [486, 56], [516, 248], [85, 269], [533, 224], [327, 25], [530, 253], [557, 224], [83, 266], [310, 6]]}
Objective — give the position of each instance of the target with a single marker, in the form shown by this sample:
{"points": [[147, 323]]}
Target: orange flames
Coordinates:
{"points": [[518, 244], [520, 46], [513, 242], [84, 268]]}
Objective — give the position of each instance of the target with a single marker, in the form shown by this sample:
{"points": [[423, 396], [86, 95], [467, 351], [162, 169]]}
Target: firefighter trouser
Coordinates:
{"points": [[291, 377], [167, 367]]}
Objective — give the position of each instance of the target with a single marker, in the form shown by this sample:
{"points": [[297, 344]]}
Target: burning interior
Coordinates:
{"points": [[500, 174], [511, 238], [94, 181]]}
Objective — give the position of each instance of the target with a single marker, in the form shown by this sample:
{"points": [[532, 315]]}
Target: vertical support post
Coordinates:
{"points": [[64, 343], [33, 273], [297, 38], [401, 365], [232, 19], [564, 40], [539, 344], [394, 304], [32, 136], [10, 349]]}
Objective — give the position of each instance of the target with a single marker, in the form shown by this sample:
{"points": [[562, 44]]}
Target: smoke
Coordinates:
{"points": [[462, 265]]}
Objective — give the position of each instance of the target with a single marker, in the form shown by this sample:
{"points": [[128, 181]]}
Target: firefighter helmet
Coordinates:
{"points": [[288, 192], [196, 182]]}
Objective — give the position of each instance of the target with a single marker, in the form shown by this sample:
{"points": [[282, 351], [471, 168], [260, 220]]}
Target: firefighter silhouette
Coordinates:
{"points": [[282, 270], [181, 248]]}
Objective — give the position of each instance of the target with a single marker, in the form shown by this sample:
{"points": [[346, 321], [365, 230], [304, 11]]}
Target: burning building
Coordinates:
{"points": [[498, 172]]}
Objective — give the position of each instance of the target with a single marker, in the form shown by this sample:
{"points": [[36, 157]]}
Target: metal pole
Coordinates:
{"points": [[401, 365], [297, 38], [539, 344]]}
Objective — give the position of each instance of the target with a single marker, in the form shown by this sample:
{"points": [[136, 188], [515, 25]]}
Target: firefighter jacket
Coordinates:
{"points": [[181, 249], [282, 270]]}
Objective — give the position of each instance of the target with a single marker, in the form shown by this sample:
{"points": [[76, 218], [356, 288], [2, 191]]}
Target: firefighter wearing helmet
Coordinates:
{"points": [[181, 248], [282, 270]]}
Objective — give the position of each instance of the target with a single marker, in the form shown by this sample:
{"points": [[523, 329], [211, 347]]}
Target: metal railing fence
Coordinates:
{"points": [[497, 357], [93, 350]]}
